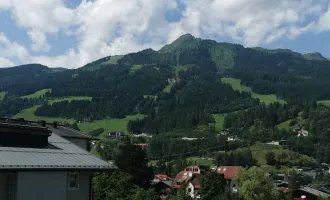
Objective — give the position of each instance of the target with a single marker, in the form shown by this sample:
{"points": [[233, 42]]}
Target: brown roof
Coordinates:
{"points": [[229, 172]]}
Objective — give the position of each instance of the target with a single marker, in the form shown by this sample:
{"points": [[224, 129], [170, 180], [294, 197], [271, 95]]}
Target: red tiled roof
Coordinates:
{"points": [[162, 177], [228, 171], [181, 177], [284, 189]]}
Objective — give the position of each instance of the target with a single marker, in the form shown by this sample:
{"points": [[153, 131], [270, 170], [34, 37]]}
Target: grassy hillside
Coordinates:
{"points": [[37, 94], [286, 125], [114, 59], [219, 121], [259, 152], [2, 95], [236, 85], [324, 102], [136, 67], [168, 87], [28, 113], [77, 98], [108, 124]]}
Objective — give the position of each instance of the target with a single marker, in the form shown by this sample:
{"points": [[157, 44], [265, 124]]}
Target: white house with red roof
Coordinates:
{"points": [[229, 173]]}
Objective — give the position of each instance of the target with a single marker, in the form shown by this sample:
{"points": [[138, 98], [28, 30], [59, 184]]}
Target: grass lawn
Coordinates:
{"points": [[201, 161], [259, 152], [114, 59], [194, 160], [236, 85], [28, 114], [51, 101], [325, 102], [180, 68], [108, 124], [136, 67], [285, 125], [37, 94], [167, 89], [2, 95], [219, 121]]}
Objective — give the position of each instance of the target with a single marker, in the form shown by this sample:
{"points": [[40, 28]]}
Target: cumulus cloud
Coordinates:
{"points": [[108, 27], [248, 21], [4, 62], [39, 40], [11, 50]]}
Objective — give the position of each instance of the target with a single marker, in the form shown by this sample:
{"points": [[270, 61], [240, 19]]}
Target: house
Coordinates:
{"points": [[276, 143], [78, 138], [229, 173], [114, 135], [162, 185], [309, 193], [191, 179], [37, 163], [232, 138], [302, 133], [142, 135], [161, 177], [188, 138], [142, 146], [194, 185]]}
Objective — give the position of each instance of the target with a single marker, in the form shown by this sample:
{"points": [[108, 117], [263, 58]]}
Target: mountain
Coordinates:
{"points": [[177, 87], [314, 56]]}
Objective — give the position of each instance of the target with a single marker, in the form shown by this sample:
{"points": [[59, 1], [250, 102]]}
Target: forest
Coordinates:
{"points": [[178, 89]]}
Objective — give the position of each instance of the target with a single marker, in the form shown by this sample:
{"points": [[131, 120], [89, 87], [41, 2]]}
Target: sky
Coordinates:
{"points": [[71, 33]]}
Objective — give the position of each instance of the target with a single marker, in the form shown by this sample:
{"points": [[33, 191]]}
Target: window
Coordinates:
{"points": [[73, 181]]}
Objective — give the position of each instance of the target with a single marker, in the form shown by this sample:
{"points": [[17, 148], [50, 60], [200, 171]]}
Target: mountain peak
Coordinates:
{"points": [[183, 40]]}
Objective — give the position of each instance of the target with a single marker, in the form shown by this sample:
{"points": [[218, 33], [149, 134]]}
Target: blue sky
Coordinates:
{"points": [[71, 33]]}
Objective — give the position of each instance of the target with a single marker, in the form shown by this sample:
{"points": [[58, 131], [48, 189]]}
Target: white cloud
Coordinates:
{"points": [[12, 50], [4, 62], [323, 22], [108, 27], [249, 21], [39, 40]]}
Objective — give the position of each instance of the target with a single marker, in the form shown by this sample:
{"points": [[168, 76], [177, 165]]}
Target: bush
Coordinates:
{"points": [[96, 132], [270, 158]]}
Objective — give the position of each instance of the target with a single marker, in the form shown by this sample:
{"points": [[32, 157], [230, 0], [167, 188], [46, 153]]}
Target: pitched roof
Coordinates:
{"points": [[162, 177], [70, 133], [59, 155], [229, 172]]}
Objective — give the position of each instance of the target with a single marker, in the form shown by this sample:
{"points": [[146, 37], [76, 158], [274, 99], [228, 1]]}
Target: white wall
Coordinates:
{"points": [[50, 186], [41, 185], [83, 192], [82, 143]]}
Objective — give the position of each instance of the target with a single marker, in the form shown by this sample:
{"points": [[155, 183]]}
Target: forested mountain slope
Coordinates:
{"points": [[177, 87]]}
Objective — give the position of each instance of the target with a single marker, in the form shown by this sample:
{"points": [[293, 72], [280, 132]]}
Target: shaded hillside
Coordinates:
{"points": [[177, 87]]}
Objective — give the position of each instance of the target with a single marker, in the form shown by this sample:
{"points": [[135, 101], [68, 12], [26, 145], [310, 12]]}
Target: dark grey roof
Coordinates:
{"points": [[70, 133], [314, 191], [63, 156]]}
